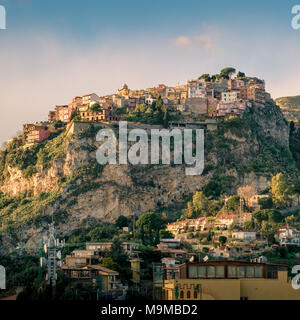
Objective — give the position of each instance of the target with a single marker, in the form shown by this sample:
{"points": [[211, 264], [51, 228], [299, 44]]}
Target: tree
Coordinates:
{"points": [[233, 203], [200, 203], [265, 203], [164, 234], [241, 74], [205, 77], [149, 225], [292, 127], [280, 189], [226, 73], [260, 216], [75, 115], [108, 262], [270, 215], [222, 240], [290, 219], [57, 124], [121, 222], [95, 107], [189, 212], [274, 216]]}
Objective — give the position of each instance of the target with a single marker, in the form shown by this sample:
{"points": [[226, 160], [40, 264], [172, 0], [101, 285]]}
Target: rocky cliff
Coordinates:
{"points": [[61, 180]]}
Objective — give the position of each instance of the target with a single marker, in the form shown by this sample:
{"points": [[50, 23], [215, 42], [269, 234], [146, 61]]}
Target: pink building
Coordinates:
{"points": [[37, 133]]}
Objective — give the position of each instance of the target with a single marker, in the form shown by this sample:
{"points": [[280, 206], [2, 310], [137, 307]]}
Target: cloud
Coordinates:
{"points": [[204, 41], [183, 41], [207, 42]]}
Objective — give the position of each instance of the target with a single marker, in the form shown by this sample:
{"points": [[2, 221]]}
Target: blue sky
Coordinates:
{"points": [[53, 50]]}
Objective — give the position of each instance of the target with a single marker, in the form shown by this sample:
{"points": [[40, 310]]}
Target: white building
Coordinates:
{"points": [[229, 96], [244, 235], [289, 235], [196, 88], [88, 98]]}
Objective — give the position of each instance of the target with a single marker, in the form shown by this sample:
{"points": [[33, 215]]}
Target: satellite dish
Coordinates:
{"points": [[205, 258], [58, 254], [45, 248], [192, 258]]}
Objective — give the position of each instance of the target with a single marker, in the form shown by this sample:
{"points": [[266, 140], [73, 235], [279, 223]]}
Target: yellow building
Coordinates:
{"points": [[101, 115], [90, 274], [136, 271], [231, 280]]}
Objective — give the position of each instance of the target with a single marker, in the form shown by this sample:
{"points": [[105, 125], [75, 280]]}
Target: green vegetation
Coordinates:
{"points": [[157, 113], [148, 225], [95, 107], [24, 209]]}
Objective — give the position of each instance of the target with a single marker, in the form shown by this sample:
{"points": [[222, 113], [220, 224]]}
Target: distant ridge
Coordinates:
{"points": [[290, 107]]}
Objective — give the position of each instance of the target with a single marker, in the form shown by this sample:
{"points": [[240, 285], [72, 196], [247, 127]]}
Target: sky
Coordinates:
{"points": [[53, 50]]}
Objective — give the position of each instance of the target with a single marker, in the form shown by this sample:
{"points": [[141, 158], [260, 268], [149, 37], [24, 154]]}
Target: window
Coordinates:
{"points": [[259, 272], [211, 272], [220, 272], [201, 272], [188, 295], [192, 272], [250, 272], [241, 272], [195, 294], [181, 294], [232, 272]]}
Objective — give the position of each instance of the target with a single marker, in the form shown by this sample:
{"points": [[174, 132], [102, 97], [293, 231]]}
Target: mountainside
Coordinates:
{"points": [[290, 107], [61, 179]]}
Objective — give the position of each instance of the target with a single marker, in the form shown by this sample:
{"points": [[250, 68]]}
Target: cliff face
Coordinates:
{"points": [[76, 191]]}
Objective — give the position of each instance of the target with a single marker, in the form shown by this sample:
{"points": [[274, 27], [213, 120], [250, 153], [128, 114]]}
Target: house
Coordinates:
{"points": [[229, 96], [288, 235], [173, 253], [61, 113], [253, 92], [231, 108], [226, 220], [124, 91], [36, 133], [171, 243], [81, 258], [97, 276], [244, 235], [178, 226], [130, 248], [253, 202], [236, 83], [52, 116], [171, 268], [230, 280], [75, 104], [103, 114], [149, 100], [87, 99]]}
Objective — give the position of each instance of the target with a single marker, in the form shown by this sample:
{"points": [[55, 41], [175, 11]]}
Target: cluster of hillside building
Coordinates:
{"points": [[182, 273], [216, 98], [224, 221]]}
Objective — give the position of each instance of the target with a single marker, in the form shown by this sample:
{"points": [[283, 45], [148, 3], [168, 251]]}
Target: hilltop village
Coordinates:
{"points": [[198, 103], [249, 239]]}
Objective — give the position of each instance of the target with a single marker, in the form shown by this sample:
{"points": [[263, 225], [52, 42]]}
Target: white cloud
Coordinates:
{"points": [[207, 42], [183, 41], [204, 41]]}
